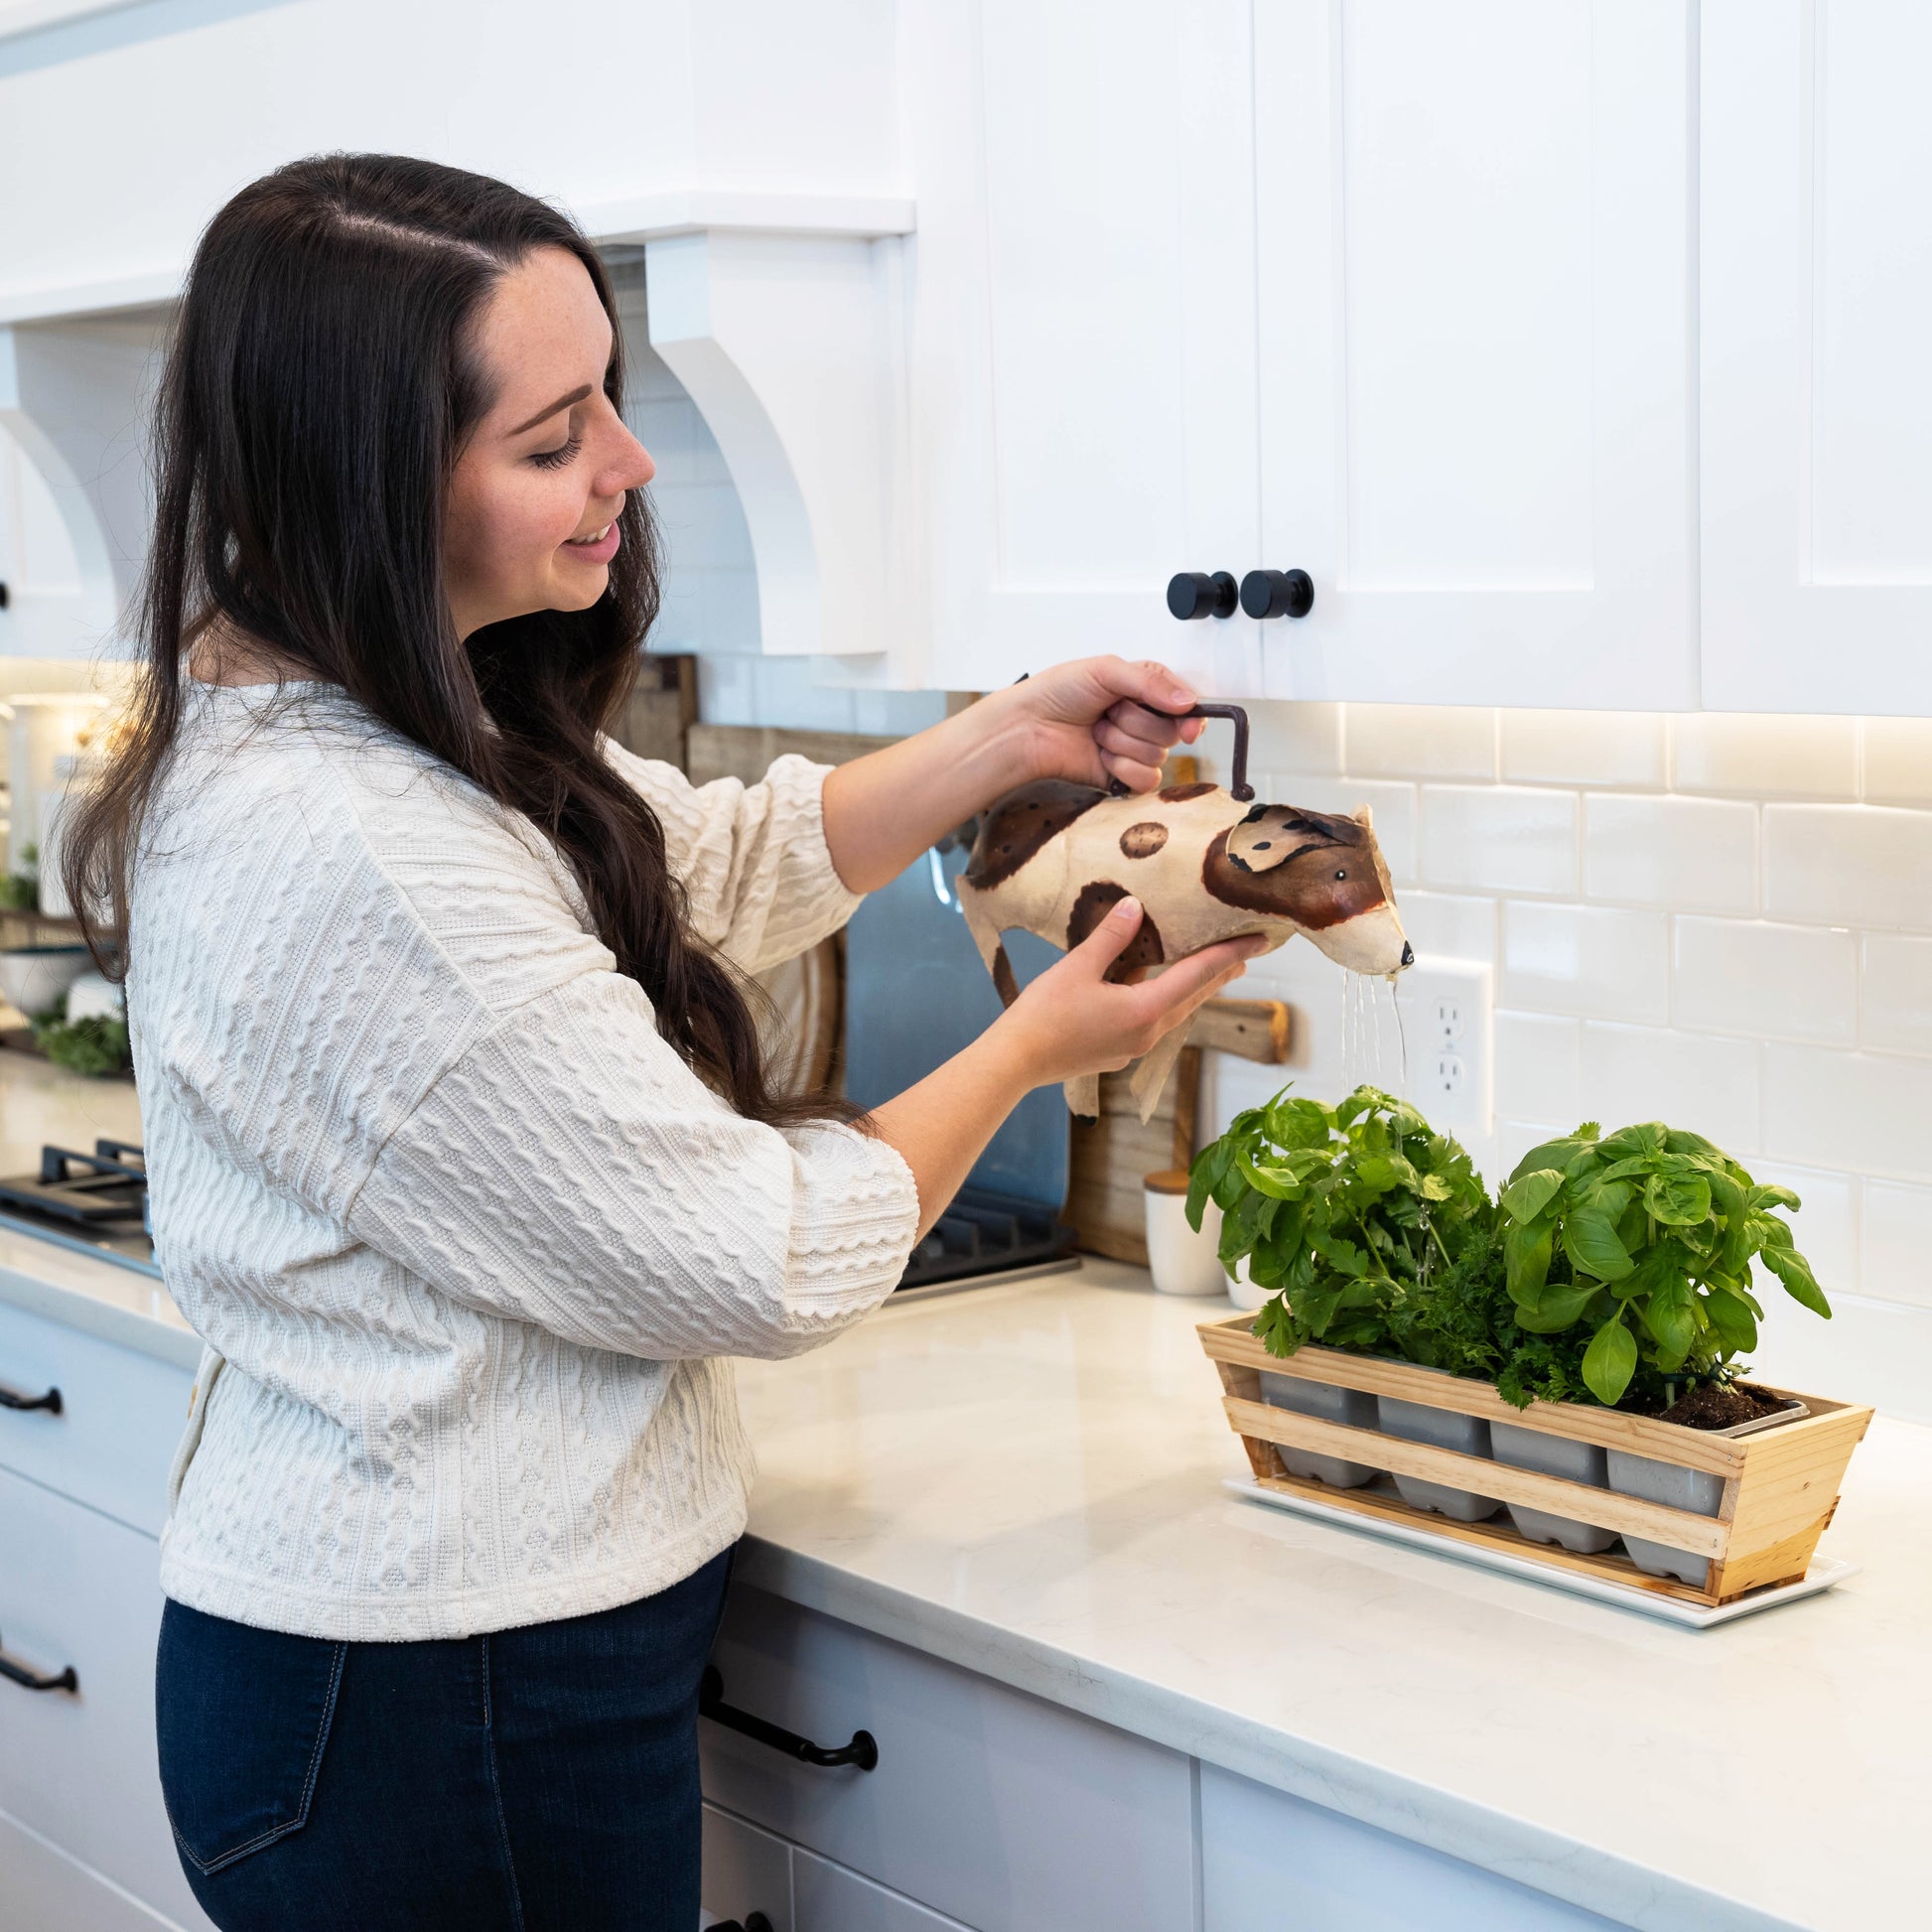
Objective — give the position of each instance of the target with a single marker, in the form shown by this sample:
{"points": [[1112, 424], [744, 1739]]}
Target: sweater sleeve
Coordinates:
{"points": [[753, 859], [571, 1171]]}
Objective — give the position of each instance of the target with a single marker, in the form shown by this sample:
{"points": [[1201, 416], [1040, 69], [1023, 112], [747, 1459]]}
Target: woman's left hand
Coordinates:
{"points": [[1094, 720]]}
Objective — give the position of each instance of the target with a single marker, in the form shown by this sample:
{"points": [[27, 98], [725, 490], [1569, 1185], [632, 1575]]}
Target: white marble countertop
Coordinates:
{"points": [[1026, 1480]]}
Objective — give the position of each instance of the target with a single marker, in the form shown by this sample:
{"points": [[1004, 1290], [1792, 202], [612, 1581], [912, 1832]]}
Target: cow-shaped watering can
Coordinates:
{"points": [[1206, 864]]}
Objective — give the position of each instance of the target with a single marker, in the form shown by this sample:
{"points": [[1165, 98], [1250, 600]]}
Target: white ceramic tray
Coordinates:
{"points": [[1824, 1572]]}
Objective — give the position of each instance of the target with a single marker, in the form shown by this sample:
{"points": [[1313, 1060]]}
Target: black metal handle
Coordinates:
{"points": [[51, 1401], [752, 1922], [861, 1751], [1278, 593], [32, 1681], [1238, 787], [1200, 593]]}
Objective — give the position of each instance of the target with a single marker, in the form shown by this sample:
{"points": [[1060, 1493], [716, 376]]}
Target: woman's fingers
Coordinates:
{"points": [[1203, 973]]}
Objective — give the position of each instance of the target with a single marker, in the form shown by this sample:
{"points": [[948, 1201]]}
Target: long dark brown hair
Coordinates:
{"points": [[320, 387]]}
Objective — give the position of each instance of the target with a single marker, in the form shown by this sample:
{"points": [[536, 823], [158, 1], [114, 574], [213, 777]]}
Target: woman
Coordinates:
{"points": [[464, 1161]]}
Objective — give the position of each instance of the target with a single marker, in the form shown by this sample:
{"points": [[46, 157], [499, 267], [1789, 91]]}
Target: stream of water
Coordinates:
{"points": [[1372, 1051]]}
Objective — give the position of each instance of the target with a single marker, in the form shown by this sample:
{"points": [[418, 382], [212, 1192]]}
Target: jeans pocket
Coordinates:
{"points": [[242, 1719]]}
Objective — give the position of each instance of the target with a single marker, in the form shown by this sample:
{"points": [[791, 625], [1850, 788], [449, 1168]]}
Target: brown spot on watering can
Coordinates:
{"points": [[1022, 823], [1143, 840], [1096, 901], [1179, 794]]}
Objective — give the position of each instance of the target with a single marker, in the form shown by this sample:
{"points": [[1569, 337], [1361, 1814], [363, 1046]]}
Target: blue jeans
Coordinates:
{"points": [[524, 1782]]}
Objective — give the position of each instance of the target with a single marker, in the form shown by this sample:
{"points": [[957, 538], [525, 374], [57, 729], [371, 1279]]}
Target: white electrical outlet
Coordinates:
{"points": [[1448, 1013]]}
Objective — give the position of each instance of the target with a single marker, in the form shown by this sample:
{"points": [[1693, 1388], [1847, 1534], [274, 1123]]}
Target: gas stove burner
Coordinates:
{"points": [[987, 1236], [110, 1184]]}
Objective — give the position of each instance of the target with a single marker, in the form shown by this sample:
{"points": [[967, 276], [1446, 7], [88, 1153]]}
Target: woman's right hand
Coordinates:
{"points": [[1073, 1020]]}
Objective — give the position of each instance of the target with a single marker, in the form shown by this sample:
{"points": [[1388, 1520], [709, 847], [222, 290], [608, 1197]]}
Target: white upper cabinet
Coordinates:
{"points": [[1816, 443], [1084, 344], [1475, 329], [1393, 291]]}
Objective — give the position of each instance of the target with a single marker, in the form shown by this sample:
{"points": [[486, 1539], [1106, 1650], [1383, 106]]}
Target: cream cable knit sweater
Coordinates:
{"points": [[469, 1244]]}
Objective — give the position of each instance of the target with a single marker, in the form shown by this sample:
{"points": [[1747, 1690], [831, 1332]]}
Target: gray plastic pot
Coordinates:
{"points": [[1553, 1455], [1415, 1421], [1349, 1407], [1696, 1490]]}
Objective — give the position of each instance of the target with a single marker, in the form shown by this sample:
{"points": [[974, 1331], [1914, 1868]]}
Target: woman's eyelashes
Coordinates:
{"points": [[556, 458]]}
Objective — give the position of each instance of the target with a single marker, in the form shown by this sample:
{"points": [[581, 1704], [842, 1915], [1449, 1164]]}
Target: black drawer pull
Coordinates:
{"points": [[51, 1401], [32, 1681], [755, 1922], [861, 1751]]}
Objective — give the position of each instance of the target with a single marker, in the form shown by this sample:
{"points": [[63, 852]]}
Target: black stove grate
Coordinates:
{"points": [[984, 1233]]}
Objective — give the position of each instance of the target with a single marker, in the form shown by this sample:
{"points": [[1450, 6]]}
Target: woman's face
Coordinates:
{"points": [[531, 523]]}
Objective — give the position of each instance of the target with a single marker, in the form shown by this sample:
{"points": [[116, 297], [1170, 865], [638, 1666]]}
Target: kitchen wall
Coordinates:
{"points": [[1722, 922]]}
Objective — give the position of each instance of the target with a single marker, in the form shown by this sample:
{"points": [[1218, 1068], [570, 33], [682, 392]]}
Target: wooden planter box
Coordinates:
{"points": [[1780, 1486]]}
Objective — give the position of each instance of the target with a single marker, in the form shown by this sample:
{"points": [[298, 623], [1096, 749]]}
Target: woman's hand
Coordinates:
{"points": [[1093, 720], [1072, 1020]]}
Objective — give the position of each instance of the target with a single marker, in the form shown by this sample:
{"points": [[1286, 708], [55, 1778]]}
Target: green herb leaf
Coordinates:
{"points": [[1524, 1199], [1609, 1363], [1589, 1240], [1678, 1200], [1794, 1271]]}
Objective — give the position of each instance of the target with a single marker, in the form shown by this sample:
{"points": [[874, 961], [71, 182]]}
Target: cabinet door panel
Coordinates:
{"points": [[745, 1870], [1270, 1859], [832, 1899], [41, 1890], [79, 1590], [1816, 391], [1474, 361], [121, 1415], [1086, 334], [988, 1805]]}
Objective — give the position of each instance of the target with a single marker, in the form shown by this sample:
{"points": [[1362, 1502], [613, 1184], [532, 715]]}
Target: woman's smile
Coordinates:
{"points": [[597, 548]]}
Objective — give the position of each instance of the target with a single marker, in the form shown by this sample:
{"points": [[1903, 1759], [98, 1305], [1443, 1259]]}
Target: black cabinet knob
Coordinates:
{"points": [[1196, 594], [1276, 593]]}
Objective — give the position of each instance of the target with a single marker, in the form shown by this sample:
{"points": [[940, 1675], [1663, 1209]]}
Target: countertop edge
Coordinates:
{"points": [[1546, 1861], [106, 1320]]}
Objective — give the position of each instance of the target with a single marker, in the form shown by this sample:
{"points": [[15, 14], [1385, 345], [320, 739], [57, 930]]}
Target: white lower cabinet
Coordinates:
{"points": [[43, 1889], [989, 1807], [745, 1870], [77, 1769], [826, 1898], [1269, 1861]]}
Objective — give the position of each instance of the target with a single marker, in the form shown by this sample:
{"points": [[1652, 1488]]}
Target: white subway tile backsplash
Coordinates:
{"points": [[1694, 1080], [1849, 865], [1895, 994], [1498, 837], [1824, 1229], [1386, 741], [1294, 737], [1869, 1113], [1447, 926], [1896, 1263], [1765, 757], [1898, 761], [1538, 1066], [1585, 748], [1697, 852], [1780, 982], [1588, 960]]}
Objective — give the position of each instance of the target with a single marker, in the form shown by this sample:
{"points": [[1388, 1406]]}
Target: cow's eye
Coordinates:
{"points": [[1342, 875]]}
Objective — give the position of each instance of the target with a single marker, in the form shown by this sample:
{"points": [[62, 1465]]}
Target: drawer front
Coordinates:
{"points": [[829, 1899], [41, 1890], [989, 1806], [121, 1415], [1270, 1859], [77, 1590], [745, 1870]]}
